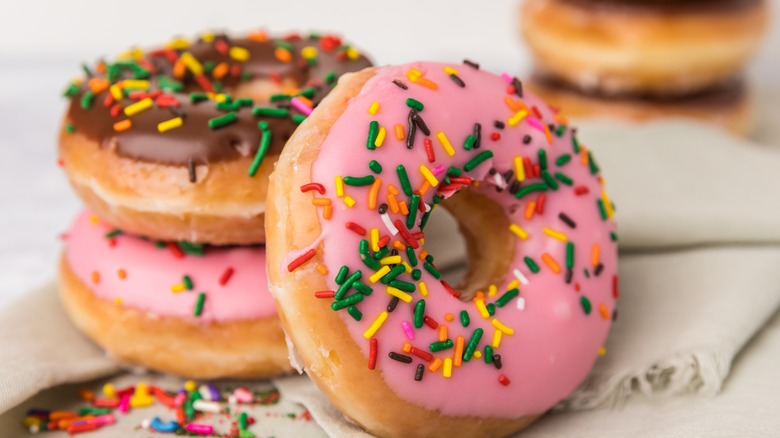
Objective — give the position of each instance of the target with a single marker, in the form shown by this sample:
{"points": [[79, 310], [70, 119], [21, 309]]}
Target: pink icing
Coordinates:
{"points": [[150, 272], [555, 342]]}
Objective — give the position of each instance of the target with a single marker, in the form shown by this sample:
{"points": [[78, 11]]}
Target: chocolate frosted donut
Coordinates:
{"points": [[177, 143]]}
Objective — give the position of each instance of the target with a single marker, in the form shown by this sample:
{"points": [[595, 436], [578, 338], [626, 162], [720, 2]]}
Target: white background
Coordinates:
{"points": [[42, 44]]}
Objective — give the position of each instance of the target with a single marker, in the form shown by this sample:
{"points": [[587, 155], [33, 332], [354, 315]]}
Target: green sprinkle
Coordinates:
{"points": [[187, 282], [330, 77], [159, 244], [542, 159], [470, 142], [271, 112], [243, 422], [586, 272], [613, 236], [471, 347], [403, 285], [346, 302], [191, 248], [347, 285], [375, 166], [228, 106], [366, 257], [72, 90], [381, 253], [419, 314], [569, 255], [411, 256], [308, 92], [356, 314], [416, 274], [564, 178], [404, 179], [536, 187], [298, 118], [454, 171], [439, 346], [199, 304], [113, 233], [166, 83], [531, 264], [602, 210], [476, 161], [359, 181], [424, 219], [223, 120], [279, 96], [198, 97], [208, 66], [563, 159], [551, 182], [491, 308], [342, 274], [431, 270], [594, 168], [262, 150], [465, 320], [362, 288], [414, 205], [87, 99], [501, 302], [394, 272], [373, 131], [586, 306], [414, 103], [94, 411], [561, 129], [575, 144], [488, 354]]}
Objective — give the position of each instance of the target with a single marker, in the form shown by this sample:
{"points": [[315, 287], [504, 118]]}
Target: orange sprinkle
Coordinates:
{"points": [[448, 317], [399, 245], [435, 365], [95, 277], [306, 101], [479, 296], [122, 274], [123, 125], [259, 36], [551, 263], [459, 341], [220, 70], [94, 219], [391, 188], [442, 333], [374, 193], [427, 83], [424, 187], [327, 213], [322, 269], [404, 208], [86, 395], [511, 104], [392, 202], [407, 347], [282, 54], [583, 155], [179, 68], [320, 202], [423, 254], [97, 85], [594, 254], [399, 132], [561, 119], [530, 209], [603, 311]]}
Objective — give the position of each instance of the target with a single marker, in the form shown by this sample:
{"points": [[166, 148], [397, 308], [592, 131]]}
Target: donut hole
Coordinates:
{"points": [[482, 254]]}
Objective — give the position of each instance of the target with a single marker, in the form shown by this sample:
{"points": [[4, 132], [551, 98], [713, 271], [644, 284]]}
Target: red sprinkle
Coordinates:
{"points": [[449, 288], [162, 396], [503, 380], [175, 250], [529, 171], [313, 186], [356, 228], [204, 83], [537, 171], [405, 234], [276, 78], [429, 150], [430, 322], [383, 241], [221, 46], [372, 353], [81, 427], [615, 290], [536, 112], [495, 136], [422, 354], [325, 294], [540, 203], [301, 259], [581, 190], [226, 276], [461, 180], [115, 110], [108, 101]]}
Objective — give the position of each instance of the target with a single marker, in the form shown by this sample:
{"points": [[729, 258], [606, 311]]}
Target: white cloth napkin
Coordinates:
{"points": [[700, 242]]}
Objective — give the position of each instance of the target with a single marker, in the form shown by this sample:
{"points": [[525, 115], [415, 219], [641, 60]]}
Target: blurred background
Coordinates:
{"points": [[43, 43]]}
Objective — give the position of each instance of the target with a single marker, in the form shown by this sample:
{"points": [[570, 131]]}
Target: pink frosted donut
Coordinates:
{"points": [[394, 346], [180, 308]]}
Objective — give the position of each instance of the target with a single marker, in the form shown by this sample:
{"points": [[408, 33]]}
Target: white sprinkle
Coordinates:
{"points": [[204, 392], [206, 406], [520, 303], [499, 180], [523, 279], [389, 224], [146, 423]]}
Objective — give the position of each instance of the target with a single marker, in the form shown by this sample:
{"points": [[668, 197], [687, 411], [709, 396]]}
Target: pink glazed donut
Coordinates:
{"points": [[186, 309], [394, 346]]}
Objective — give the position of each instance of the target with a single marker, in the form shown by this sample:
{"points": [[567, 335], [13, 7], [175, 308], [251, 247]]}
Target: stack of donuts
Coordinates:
{"points": [[170, 149], [645, 59]]}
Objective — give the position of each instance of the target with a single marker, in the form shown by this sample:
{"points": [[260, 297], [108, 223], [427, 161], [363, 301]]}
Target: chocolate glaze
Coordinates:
{"points": [[666, 6], [194, 140]]}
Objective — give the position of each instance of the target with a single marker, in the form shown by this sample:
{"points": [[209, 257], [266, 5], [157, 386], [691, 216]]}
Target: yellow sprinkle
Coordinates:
{"points": [[207, 36], [504, 329], [555, 234], [309, 52], [447, 371], [407, 347], [368, 334], [349, 201], [428, 175], [607, 204], [407, 268], [450, 71], [141, 105], [399, 132], [521, 233], [517, 118], [413, 74], [178, 43], [519, 169], [380, 137], [353, 54], [435, 365], [445, 143], [390, 260], [135, 84], [176, 288], [602, 351], [374, 233], [492, 290], [339, 186], [116, 92], [376, 276], [192, 64], [170, 124], [513, 284], [374, 108], [109, 391], [322, 269], [190, 386], [482, 308], [496, 339], [118, 301], [239, 53], [478, 354], [423, 289], [94, 219], [398, 293]]}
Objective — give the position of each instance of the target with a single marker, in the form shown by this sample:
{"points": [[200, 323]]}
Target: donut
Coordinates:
{"points": [[156, 144], [728, 105], [396, 347], [660, 46], [192, 310]]}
